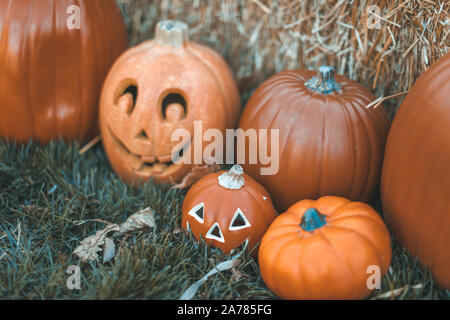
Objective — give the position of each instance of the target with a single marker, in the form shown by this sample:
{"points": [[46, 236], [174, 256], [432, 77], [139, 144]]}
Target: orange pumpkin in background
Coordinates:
{"points": [[325, 249], [156, 88], [329, 143], [228, 209], [415, 184], [51, 72]]}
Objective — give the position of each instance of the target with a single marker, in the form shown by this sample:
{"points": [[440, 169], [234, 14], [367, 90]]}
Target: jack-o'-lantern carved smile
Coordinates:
{"points": [[153, 90], [151, 165], [133, 141]]}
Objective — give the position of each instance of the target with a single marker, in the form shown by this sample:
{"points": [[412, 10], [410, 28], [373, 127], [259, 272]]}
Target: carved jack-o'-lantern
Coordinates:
{"points": [[155, 88], [228, 209]]}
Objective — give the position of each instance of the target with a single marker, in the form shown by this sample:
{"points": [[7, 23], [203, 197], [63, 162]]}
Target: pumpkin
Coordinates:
{"points": [[415, 185], [157, 88], [51, 72], [324, 249], [329, 143], [228, 210]]}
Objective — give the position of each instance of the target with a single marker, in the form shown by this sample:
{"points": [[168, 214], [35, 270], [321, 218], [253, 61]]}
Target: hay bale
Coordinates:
{"points": [[259, 38]]}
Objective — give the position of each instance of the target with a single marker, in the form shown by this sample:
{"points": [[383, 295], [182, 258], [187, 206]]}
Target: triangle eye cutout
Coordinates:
{"points": [[215, 233], [239, 221], [198, 212]]}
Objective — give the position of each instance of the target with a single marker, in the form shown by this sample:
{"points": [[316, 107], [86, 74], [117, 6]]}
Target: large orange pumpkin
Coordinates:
{"points": [[329, 142], [158, 87], [51, 72], [228, 209], [325, 249], [415, 185]]}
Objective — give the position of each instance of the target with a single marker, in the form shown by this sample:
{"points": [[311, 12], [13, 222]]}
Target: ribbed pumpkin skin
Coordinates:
{"points": [[330, 262], [415, 186], [51, 76], [329, 144]]}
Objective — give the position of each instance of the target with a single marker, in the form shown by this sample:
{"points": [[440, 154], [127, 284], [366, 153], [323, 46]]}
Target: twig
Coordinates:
{"points": [[80, 222], [397, 292], [394, 10], [265, 8], [381, 99], [90, 144], [409, 49], [385, 20]]}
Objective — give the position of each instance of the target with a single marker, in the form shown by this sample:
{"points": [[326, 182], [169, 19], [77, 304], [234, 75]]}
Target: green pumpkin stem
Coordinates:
{"points": [[324, 81], [312, 220]]}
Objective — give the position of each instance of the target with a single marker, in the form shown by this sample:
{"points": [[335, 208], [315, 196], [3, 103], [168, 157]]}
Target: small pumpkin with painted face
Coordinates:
{"points": [[156, 88], [228, 209]]}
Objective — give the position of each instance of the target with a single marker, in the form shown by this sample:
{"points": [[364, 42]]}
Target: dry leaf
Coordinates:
{"points": [[197, 172], [90, 246], [226, 265], [139, 220], [109, 250], [236, 275], [177, 230]]}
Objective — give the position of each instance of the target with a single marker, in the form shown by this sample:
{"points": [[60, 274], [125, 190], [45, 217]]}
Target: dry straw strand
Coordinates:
{"points": [[259, 38]]}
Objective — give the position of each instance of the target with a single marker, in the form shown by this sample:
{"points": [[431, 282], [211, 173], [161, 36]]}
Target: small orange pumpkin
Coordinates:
{"points": [[324, 249], [228, 209], [158, 87]]}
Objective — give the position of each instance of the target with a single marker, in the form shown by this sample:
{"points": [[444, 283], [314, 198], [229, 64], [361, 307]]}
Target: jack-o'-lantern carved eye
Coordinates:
{"points": [[174, 107], [198, 212], [126, 96], [215, 233], [239, 221], [133, 90]]}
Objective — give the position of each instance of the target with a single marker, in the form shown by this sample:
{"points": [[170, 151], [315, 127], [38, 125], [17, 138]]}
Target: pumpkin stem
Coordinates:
{"points": [[171, 32], [312, 220], [233, 178], [324, 82]]}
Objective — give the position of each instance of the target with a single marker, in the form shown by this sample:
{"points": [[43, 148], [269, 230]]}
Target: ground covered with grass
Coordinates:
{"points": [[45, 191]]}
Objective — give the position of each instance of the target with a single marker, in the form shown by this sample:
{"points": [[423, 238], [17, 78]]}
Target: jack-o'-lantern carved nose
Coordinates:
{"points": [[142, 135], [173, 107]]}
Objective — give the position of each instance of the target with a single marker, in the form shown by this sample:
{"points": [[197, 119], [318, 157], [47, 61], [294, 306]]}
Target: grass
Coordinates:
{"points": [[43, 190]]}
